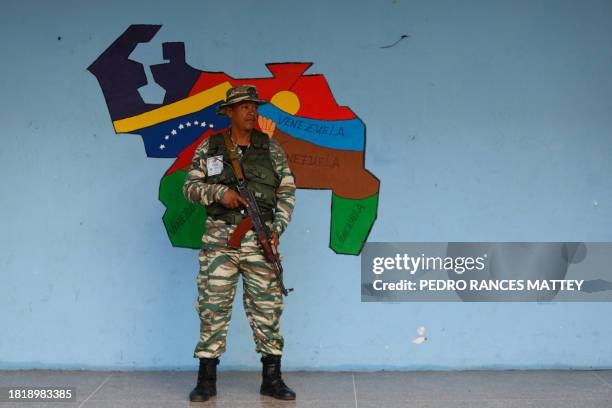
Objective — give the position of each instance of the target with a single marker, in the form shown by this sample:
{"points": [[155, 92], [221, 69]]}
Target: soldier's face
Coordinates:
{"points": [[243, 115]]}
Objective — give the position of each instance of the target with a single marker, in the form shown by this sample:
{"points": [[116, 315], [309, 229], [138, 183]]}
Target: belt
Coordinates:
{"points": [[234, 218]]}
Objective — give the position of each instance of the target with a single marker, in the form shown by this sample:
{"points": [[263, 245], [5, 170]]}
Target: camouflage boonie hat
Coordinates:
{"points": [[238, 94]]}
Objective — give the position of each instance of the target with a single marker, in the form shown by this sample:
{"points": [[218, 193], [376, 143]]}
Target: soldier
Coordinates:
{"points": [[209, 182]]}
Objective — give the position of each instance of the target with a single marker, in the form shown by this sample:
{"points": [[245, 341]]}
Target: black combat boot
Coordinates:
{"points": [[207, 380], [272, 383]]}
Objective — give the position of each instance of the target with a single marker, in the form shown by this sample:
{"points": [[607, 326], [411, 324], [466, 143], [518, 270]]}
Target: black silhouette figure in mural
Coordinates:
{"points": [[176, 77], [120, 77]]}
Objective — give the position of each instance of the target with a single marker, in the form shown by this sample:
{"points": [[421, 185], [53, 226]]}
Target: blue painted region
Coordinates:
{"points": [[160, 141], [335, 134]]}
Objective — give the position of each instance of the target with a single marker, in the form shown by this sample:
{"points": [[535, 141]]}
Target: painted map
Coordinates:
{"points": [[324, 142]]}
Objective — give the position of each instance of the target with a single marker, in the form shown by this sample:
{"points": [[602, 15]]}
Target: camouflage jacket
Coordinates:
{"points": [[197, 191]]}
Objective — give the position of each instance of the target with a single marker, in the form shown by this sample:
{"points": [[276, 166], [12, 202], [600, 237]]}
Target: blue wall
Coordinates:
{"points": [[491, 122]]}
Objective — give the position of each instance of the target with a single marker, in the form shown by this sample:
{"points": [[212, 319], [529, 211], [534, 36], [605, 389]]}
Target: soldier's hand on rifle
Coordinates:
{"points": [[274, 242], [231, 199]]}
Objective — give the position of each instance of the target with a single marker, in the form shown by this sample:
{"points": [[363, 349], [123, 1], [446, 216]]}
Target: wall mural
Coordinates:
{"points": [[324, 142]]}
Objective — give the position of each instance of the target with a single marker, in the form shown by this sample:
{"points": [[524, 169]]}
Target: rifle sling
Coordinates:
{"points": [[232, 154]]}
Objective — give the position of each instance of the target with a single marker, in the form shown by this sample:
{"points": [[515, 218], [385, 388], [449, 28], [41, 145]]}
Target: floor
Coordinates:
{"points": [[420, 389]]}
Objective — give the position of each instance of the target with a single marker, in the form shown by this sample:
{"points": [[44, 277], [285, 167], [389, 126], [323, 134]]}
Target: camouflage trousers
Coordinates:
{"points": [[220, 268]]}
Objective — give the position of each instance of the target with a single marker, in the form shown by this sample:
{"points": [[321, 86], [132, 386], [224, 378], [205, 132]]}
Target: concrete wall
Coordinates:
{"points": [[491, 122]]}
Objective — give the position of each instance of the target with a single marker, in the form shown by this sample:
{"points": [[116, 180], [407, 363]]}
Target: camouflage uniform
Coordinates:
{"points": [[221, 265]]}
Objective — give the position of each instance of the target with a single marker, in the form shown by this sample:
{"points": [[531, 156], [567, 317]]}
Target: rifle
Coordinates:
{"points": [[263, 233], [253, 220]]}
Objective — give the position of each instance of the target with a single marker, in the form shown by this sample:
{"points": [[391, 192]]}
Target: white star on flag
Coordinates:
{"points": [[188, 124], [166, 137], [173, 132], [203, 124], [195, 122], [162, 147], [181, 126], [211, 125]]}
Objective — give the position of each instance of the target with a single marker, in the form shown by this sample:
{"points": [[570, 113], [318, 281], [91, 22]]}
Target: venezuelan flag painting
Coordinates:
{"points": [[324, 142]]}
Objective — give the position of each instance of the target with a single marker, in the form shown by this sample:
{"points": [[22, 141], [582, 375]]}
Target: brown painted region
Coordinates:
{"points": [[314, 166]]}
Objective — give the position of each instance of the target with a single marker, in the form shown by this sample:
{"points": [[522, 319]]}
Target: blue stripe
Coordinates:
{"points": [[156, 136], [335, 134]]}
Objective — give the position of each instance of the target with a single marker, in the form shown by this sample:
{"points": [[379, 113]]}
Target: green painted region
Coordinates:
{"points": [[184, 221], [351, 221]]}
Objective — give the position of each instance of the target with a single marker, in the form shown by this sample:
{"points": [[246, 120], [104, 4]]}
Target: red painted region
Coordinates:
{"points": [[183, 160], [316, 98]]}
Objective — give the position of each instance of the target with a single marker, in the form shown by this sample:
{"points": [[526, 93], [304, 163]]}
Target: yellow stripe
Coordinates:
{"points": [[185, 106]]}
